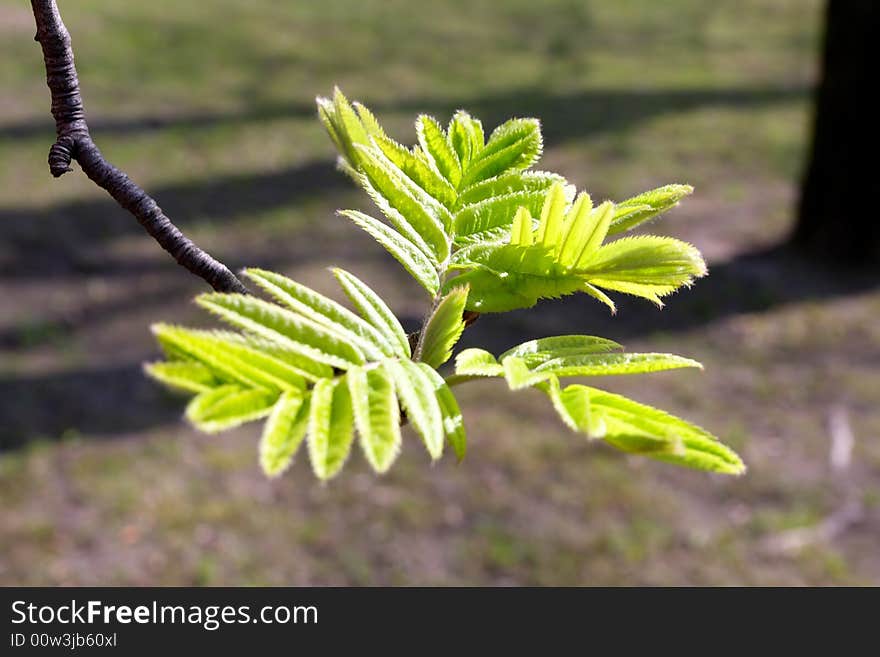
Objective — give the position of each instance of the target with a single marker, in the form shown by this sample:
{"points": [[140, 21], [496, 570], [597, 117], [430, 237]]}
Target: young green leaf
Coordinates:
{"points": [[436, 145], [585, 231], [645, 259], [521, 233], [477, 362], [183, 375], [401, 224], [228, 406], [331, 428], [644, 207], [443, 329], [404, 251], [373, 309], [466, 136], [572, 403], [376, 415], [549, 231], [535, 352], [323, 310], [347, 126], [453, 422], [416, 393], [477, 222], [415, 164], [274, 323], [230, 358], [423, 212], [519, 375], [511, 183], [516, 144], [608, 364], [636, 427], [284, 431]]}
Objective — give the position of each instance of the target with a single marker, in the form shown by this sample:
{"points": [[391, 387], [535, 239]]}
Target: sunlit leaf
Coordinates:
{"points": [[444, 328], [284, 432], [376, 415]]}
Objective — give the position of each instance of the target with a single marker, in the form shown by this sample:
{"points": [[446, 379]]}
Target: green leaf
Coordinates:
{"points": [[599, 295], [183, 375], [230, 358], [511, 183], [535, 352], [642, 429], [644, 207], [513, 275], [284, 431], [477, 362], [647, 266], [521, 233], [376, 415], [325, 311], [347, 127], [368, 121], [444, 328], [508, 276], [436, 145], [400, 223], [572, 403], [549, 231], [585, 231], [466, 136], [415, 164], [477, 221], [331, 428], [427, 216], [453, 423], [404, 251], [228, 406], [608, 364], [515, 144], [373, 309], [416, 393], [292, 331], [519, 375], [646, 259]]}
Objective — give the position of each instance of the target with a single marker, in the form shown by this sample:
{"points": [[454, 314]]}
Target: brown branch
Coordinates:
{"points": [[75, 143]]}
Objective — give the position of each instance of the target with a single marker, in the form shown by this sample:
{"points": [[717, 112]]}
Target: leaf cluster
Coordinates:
{"points": [[481, 231]]}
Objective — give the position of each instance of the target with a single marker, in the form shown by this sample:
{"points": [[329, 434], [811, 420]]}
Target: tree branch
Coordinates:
{"points": [[75, 143]]}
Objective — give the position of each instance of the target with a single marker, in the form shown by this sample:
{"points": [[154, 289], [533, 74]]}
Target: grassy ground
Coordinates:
{"points": [[210, 106]]}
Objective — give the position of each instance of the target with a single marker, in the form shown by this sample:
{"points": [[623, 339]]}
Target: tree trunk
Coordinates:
{"points": [[838, 215]]}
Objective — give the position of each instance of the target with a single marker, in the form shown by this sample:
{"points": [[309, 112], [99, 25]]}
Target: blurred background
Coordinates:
{"points": [[210, 107]]}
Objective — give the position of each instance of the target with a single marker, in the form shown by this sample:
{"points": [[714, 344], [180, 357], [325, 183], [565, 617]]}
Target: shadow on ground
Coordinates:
{"points": [[63, 239], [566, 115]]}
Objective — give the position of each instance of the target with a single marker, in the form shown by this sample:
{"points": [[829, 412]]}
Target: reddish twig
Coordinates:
{"points": [[75, 143]]}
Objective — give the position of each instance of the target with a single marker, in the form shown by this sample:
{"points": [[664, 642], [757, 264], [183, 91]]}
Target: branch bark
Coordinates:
{"points": [[74, 142]]}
